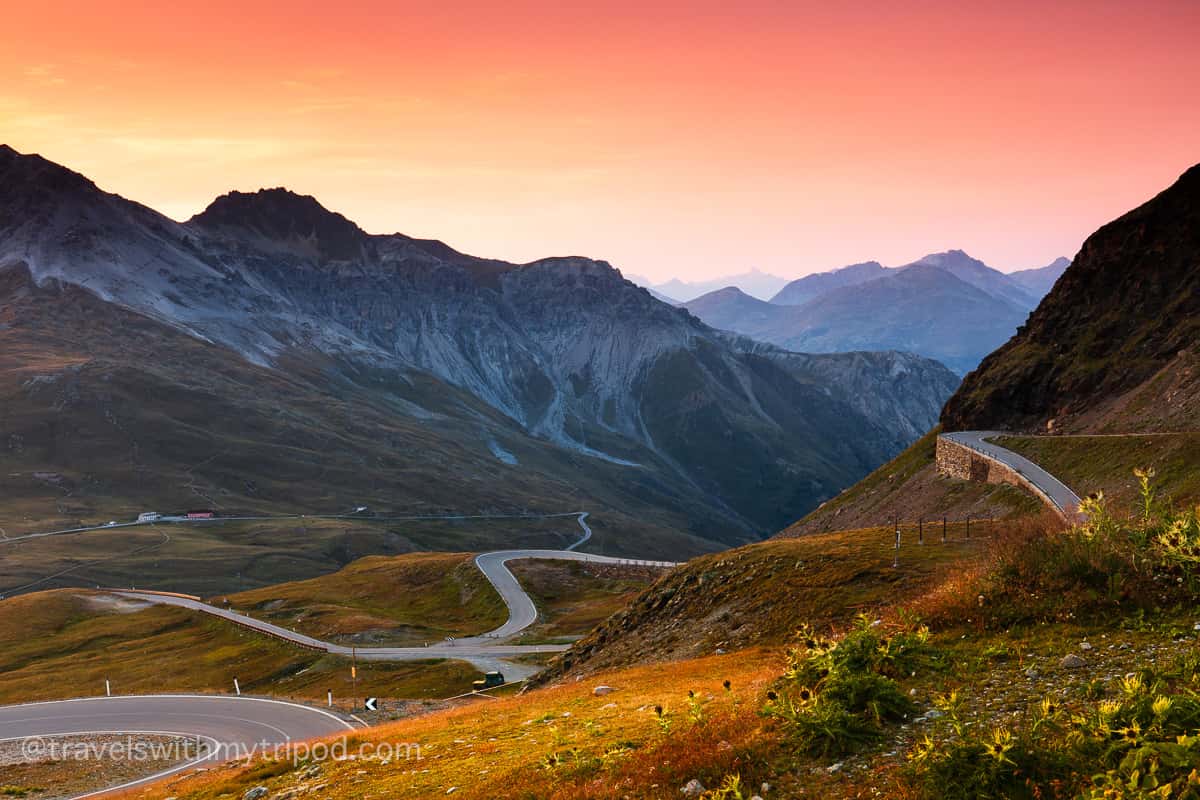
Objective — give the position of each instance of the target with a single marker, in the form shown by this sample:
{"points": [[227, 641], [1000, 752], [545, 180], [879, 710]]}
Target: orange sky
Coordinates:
{"points": [[672, 139]]}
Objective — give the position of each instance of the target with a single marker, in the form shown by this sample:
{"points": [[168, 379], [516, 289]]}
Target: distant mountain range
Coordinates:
{"points": [[1041, 280], [270, 355], [947, 306], [1113, 346], [754, 283]]}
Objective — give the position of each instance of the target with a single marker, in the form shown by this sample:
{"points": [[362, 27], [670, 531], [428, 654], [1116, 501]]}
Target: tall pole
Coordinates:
{"points": [[354, 673]]}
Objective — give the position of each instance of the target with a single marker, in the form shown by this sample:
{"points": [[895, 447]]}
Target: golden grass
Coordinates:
{"points": [[760, 593], [397, 600], [60, 644], [573, 597], [560, 742]]}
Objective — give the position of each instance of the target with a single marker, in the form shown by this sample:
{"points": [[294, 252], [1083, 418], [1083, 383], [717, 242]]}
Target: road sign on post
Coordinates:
{"points": [[371, 704]]}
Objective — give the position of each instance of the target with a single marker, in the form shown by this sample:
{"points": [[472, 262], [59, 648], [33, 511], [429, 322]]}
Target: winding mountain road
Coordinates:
{"points": [[486, 652], [231, 727], [226, 727], [1054, 491]]}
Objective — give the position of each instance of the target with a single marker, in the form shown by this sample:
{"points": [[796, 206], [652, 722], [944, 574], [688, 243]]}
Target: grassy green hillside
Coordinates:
{"points": [[66, 643], [758, 595], [909, 485], [1091, 464], [574, 596], [383, 600]]}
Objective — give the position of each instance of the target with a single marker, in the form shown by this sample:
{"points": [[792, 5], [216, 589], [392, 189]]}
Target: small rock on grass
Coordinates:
{"points": [[693, 788], [602, 690], [256, 793], [1072, 661]]}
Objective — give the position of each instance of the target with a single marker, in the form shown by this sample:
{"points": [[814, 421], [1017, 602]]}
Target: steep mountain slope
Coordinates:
{"points": [[1116, 335], [105, 413], [920, 309], [480, 384], [801, 290], [1041, 280]]}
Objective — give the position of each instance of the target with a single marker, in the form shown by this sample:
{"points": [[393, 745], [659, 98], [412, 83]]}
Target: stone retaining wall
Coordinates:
{"points": [[958, 461]]}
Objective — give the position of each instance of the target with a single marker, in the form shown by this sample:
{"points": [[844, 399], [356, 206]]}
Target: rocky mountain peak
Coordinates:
{"points": [[951, 258], [285, 219], [30, 180]]}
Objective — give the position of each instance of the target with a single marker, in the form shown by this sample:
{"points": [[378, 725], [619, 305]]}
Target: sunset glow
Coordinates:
{"points": [[671, 139]]}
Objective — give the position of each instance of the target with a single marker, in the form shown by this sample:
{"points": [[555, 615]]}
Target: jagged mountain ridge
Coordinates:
{"points": [[564, 347]]}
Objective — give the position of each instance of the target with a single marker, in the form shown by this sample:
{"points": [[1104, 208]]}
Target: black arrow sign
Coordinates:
{"points": [[372, 704]]}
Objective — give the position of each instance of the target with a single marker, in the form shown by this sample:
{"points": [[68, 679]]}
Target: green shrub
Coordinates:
{"points": [[837, 697], [1142, 743], [1139, 738], [1143, 562]]}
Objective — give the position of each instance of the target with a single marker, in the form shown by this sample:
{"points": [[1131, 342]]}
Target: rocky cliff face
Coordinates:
{"points": [[574, 355], [1123, 313]]}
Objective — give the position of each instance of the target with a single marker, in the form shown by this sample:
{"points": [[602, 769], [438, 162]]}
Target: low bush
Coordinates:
{"points": [[1139, 738], [1145, 561], [837, 697], [1141, 744]]}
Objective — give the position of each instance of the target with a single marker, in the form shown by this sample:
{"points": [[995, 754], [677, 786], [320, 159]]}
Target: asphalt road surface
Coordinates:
{"points": [[227, 727], [486, 652], [229, 723], [1054, 490]]}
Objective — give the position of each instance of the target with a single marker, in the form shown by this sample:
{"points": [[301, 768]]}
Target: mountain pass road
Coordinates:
{"points": [[1055, 491], [224, 728]]}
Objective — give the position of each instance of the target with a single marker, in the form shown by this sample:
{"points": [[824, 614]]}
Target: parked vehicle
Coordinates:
{"points": [[490, 681]]}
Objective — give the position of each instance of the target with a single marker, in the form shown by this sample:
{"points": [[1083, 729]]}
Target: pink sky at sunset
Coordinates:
{"points": [[672, 139]]}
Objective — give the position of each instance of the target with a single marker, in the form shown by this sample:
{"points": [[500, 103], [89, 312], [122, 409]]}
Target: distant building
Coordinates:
{"points": [[149, 516], [201, 514]]}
